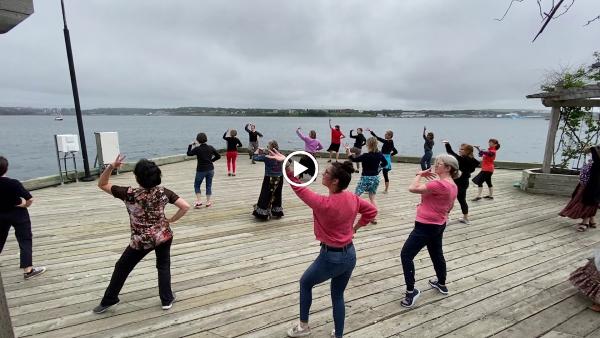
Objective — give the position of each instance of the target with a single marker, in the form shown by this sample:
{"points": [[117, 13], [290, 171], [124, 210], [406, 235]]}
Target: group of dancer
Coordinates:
{"points": [[334, 213]]}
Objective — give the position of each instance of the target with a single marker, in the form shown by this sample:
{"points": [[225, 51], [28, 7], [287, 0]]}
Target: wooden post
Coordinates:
{"points": [[6, 330], [552, 129]]}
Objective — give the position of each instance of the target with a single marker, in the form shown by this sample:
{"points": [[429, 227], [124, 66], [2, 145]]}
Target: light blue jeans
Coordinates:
{"points": [[200, 176], [334, 265]]}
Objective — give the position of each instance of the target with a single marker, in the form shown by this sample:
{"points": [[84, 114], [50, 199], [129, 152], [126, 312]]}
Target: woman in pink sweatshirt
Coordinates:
{"points": [[334, 226], [311, 146]]}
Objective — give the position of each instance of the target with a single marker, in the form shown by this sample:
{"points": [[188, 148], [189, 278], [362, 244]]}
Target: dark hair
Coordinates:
{"points": [[201, 138], [343, 173], [147, 173], [3, 165], [493, 140], [337, 126]]}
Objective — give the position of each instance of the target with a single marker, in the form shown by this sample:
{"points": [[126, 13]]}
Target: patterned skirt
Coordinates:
{"points": [[587, 280], [575, 209], [367, 184], [269, 201]]}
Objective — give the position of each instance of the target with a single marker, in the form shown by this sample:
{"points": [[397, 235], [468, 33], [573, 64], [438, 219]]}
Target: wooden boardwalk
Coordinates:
{"points": [[507, 271]]}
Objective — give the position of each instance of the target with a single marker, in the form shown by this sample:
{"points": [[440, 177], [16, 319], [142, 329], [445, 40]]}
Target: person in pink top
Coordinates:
{"points": [[311, 146], [334, 226], [437, 199]]}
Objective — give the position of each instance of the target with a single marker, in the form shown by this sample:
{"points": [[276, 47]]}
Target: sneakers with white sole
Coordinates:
{"points": [[298, 331]]}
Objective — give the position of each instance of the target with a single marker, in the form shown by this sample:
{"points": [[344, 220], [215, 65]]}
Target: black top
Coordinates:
{"points": [[428, 145], [591, 192], [466, 165], [232, 142], [253, 134], [205, 155], [388, 145], [360, 140], [11, 192], [371, 163]]}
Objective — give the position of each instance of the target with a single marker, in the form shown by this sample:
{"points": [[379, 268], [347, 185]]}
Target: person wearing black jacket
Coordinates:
{"points": [[466, 164], [359, 142], [253, 136], [14, 201], [388, 150], [205, 169]]}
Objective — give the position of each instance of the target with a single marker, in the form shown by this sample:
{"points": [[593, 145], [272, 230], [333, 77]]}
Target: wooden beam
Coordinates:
{"points": [[571, 103], [550, 139], [12, 12], [6, 329]]}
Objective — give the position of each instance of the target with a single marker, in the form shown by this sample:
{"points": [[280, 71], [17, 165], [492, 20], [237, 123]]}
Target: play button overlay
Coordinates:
{"points": [[299, 169]]}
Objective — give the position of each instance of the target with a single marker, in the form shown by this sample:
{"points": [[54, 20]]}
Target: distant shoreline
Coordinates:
{"points": [[201, 111]]}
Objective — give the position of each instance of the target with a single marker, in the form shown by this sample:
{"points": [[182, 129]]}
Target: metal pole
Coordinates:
{"points": [[86, 166]]}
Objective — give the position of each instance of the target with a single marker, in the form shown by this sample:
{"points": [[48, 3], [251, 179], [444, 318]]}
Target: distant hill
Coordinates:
{"points": [[211, 111]]}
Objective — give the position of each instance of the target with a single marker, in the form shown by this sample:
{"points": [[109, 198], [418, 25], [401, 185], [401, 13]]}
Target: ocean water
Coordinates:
{"points": [[28, 141]]}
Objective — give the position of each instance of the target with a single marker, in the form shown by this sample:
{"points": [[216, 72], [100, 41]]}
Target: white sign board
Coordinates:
{"points": [[67, 143], [107, 146]]}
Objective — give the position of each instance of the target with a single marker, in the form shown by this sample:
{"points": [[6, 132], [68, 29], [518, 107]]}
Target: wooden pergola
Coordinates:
{"points": [[587, 96]]}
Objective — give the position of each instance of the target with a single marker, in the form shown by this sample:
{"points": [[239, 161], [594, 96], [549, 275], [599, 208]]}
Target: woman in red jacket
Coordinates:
{"points": [[487, 169]]}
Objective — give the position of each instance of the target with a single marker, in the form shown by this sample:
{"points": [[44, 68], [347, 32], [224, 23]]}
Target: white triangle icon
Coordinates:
{"points": [[299, 168]]}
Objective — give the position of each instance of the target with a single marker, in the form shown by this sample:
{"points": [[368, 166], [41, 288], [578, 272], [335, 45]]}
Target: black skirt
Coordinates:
{"points": [[269, 200]]}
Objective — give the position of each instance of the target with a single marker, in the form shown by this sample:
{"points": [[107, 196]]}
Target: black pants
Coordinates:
{"points": [[429, 235], [269, 200], [385, 175], [129, 260], [18, 219], [461, 196], [483, 177]]}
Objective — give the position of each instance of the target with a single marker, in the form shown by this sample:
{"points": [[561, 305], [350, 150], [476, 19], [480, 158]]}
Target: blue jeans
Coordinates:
{"points": [[334, 265], [426, 160], [200, 175]]}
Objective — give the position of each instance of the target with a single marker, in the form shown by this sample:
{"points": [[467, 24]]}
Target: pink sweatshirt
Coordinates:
{"points": [[437, 203], [334, 215], [311, 145]]}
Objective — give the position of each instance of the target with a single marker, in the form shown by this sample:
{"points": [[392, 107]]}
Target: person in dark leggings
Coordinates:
{"points": [[334, 226], [388, 150], [487, 169], [150, 228], [466, 164], [428, 149], [437, 199], [14, 201]]}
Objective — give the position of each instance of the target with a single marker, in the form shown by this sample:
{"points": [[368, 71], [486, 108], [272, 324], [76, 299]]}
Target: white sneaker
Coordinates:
{"points": [[297, 331], [464, 221]]}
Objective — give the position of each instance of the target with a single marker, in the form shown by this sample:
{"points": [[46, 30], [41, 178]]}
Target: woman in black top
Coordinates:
{"points": [[466, 164], [253, 136], [359, 142], [388, 150], [14, 201], [232, 144], [428, 149], [205, 155]]}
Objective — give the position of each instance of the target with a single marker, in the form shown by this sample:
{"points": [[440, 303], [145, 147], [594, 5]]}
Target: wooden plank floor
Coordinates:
{"points": [[507, 271]]}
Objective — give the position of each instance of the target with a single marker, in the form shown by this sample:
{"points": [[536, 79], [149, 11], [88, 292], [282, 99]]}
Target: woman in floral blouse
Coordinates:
{"points": [[150, 230]]}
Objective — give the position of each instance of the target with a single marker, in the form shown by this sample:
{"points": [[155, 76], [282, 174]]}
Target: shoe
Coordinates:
{"points": [[297, 331], [253, 162], [464, 221], [582, 228], [592, 225], [488, 197], [208, 204], [102, 308], [34, 272], [228, 174], [233, 174], [328, 161], [333, 333], [374, 221], [476, 199], [170, 304], [410, 298], [441, 288], [385, 192], [197, 205], [356, 171]]}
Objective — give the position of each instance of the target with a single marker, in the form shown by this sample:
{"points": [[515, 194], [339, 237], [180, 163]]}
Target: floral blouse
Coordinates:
{"points": [[584, 174], [146, 208]]}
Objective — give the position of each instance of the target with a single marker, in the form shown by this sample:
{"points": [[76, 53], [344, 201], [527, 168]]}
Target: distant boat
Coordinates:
{"points": [[58, 117]]}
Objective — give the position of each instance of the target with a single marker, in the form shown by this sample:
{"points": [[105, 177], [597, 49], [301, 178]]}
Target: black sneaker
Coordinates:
{"points": [[441, 288], [34, 272], [410, 298], [476, 199], [102, 308], [488, 197], [169, 304]]}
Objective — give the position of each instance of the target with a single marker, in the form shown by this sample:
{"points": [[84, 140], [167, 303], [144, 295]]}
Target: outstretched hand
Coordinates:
{"points": [[118, 162], [276, 155]]}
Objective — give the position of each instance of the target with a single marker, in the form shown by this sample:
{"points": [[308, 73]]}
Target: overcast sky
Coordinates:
{"points": [[409, 54]]}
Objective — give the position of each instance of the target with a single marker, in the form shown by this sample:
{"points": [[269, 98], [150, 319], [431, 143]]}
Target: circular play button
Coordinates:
{"points": [[299, 168]]}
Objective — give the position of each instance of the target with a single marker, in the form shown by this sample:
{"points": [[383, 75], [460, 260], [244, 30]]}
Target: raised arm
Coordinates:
{"points": [[377, 137], [416, 186], [330, 127], [247, 129], [352, 136], [299, 133], [424, 136], [190, 150], [225, 135], [103, 181], [449, 149]]}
